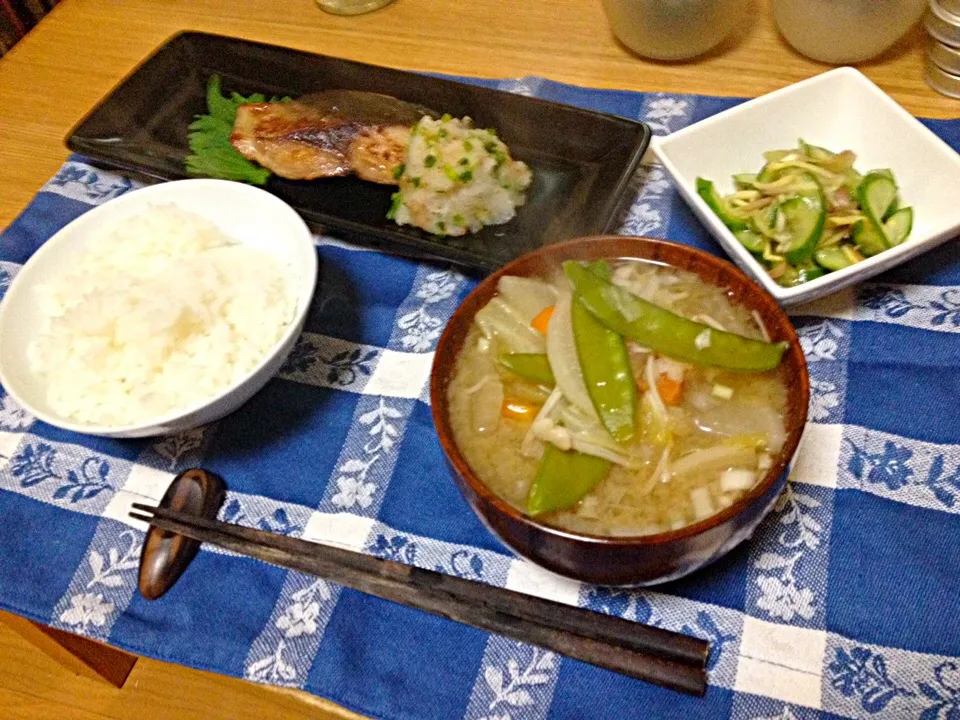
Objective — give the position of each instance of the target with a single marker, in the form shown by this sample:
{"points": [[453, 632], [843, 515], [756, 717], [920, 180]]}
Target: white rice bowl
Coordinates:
{"points": [[162, 310], [246, 215]]}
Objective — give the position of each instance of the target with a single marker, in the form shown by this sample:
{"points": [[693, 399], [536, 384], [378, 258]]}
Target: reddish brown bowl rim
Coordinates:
{"points": [[709, 267]]}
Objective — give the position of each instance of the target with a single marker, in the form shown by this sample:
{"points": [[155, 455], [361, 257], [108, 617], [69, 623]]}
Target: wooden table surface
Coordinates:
{"points": [[84, 47]]}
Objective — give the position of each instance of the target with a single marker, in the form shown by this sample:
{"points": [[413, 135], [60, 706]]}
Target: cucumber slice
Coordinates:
{"points": [[754, 242], [772, 156], [745, 180], [764, 223], [869, 237], [808, 185], [805, 216], [815, 152], [894, 206], [715, 201], [798, 275], [852, 180], [767, 175], [788, 278], [832, 258], [810, 272], [876, 192], [898, 227]]}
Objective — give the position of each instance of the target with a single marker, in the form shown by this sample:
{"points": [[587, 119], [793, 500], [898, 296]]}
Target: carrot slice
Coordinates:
{"points": [[516, 409], [670, 390], [539, 323]]}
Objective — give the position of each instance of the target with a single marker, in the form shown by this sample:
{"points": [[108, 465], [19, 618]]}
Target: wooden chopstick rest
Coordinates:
{"points": [[166, 554]]}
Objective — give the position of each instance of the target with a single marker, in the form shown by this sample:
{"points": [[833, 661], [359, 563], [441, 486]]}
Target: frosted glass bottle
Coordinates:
{"points": [[845, 31], [673, 29]]}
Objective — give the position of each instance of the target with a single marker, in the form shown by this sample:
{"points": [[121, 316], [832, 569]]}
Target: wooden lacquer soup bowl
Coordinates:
{"points": [[647, 559]]}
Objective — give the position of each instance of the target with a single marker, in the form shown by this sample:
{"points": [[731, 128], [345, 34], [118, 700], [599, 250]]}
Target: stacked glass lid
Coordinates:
{"points": [[942, 66]]}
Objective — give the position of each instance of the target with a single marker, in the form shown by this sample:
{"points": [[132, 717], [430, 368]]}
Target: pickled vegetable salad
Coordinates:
{"points": [[808, 212], [575, 349]]}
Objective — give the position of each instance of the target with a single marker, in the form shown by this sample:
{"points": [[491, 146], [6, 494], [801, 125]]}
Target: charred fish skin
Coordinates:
{"points": [[328, 134], [365, 107]]}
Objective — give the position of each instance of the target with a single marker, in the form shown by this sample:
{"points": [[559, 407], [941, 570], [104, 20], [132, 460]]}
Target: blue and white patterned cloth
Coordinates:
{"points": [[845, 603]]}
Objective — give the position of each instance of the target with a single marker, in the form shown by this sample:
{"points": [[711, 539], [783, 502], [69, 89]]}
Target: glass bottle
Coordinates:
{"points": [[351, 7], [845, 31]]}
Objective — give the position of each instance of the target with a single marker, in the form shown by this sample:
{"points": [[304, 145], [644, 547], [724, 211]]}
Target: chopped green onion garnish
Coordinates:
{"points": [[397, 199], [398, 171], [430, 160], [466, 176], [467, 145]]}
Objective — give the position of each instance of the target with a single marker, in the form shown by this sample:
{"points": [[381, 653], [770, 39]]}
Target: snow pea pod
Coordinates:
{"points": [[600, 269], [563, 478], [666, 332], [606, 370], [529, 366]]}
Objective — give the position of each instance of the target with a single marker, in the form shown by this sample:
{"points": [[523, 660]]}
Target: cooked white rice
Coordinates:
{"points": [[162, 312], [457, 178]]}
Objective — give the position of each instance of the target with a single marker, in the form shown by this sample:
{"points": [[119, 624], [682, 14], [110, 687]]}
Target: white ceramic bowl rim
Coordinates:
{"points": [[305, 286], [850, 79]]}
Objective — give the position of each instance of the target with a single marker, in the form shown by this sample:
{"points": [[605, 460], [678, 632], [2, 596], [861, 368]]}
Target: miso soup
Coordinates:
{"points": [[618, 398]]}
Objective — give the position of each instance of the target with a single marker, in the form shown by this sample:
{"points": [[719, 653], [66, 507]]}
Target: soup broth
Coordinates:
{"points": [[592, 431]]}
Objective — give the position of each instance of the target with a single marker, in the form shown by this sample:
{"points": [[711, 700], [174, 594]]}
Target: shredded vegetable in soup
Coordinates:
{"points": [[618, 398]]}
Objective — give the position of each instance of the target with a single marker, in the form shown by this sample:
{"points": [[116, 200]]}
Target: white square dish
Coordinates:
{"points": [[840, 110]]}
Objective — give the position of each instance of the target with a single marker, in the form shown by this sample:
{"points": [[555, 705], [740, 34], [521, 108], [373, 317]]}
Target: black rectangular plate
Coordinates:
{"points": [[582, 161]]}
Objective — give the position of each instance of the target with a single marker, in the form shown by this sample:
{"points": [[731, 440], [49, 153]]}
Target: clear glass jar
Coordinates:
{"points": [[351, 7]]}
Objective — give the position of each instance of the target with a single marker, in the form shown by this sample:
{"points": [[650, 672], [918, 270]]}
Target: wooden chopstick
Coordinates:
{"points": [[605, 628], [652, 654]]}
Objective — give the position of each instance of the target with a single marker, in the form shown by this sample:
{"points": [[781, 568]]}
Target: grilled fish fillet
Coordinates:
{"points": [[328, 134]]}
